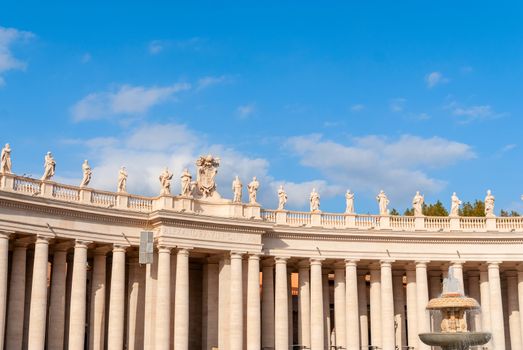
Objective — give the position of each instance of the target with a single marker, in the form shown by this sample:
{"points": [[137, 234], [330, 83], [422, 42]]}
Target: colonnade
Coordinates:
{"points": [[82, 295]]}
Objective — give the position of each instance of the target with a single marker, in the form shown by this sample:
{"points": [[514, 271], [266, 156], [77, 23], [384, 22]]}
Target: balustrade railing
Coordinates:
{"points": [[68, 193], [472, 223], [140, 203], [298, 218], [332, 220], [402, 222], [106, 199], [367, 221], [26, 185], [437, 222], [509, 223], [268, 215]]}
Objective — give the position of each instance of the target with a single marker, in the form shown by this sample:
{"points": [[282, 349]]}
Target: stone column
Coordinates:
{"points": [[352, 335], [484, 289], [181, 301], [317, 336], [253, 303], [98, 295], [56, 324], [210, 333], [362, 310], [375, 307], [513, 309], [151, 274], [473, 282], [387, 306], [77, 310], [281, 308], [38, 308], [520, 298], [340, 307], [326, 308], [304, 304], [135, 304], [412, 308], [4, 257], [399, 308], [115, 328], [236, 303], [268, 303], [434, 292], [422, 292], [223, 303], [457, 267], [496, 306], [163, 298], [15, 311]]}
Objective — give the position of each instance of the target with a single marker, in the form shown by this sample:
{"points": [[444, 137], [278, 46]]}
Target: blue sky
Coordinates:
{"points": [[400, 96]]}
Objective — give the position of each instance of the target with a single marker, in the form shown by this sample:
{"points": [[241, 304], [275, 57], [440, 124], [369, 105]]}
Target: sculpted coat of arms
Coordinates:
{"points": [[207, 170]]}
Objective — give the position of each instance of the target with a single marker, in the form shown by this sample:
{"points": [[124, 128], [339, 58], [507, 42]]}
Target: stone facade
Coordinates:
{"points": [[232, 275]]}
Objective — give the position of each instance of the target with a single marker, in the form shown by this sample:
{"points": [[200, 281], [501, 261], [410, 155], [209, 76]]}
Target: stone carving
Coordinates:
{"points": [[282, 198], [454, 205], [253, 190], [489, 204], [165, 181], [49, 167], [122, 180], [314, 200], [186, 182], [417, 204], [207, 170], [87, 173], [237, 190], [383, 202], [5, 167], [349, 202]]}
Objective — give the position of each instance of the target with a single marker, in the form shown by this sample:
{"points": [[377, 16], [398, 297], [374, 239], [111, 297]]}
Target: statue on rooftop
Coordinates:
{"points": [[383, 202], [207, 170], [282, 198], [417, 204], [253, 190], [122, 180], [5, 167], [49, 167], [165, 181], [87, 173], [237, 190], [454, 205], [349, 202], [186, 178], [314, 200], [489, 204]]}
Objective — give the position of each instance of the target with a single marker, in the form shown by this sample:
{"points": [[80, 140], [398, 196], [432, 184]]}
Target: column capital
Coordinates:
{"points": [[119, 247], [162, 248], [457, 262], [493, 264], [422, 263], [386, 262], [234, 254], [81, 243], [184, 251], [281, 259], [254, 256], [351, 262], [5, 234], [316, 261], [42, 239]]}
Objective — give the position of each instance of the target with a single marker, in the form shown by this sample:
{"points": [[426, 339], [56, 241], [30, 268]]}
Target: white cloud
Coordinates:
{"points": [[125, 100], [209, 81], [435, 78], [9, 37], [468, 114], [357, 107], [244, 111], [156, 46], [371, 163], [397, 104]]}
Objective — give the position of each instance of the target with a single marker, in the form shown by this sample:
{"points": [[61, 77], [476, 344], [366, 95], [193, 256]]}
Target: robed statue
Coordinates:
{"points": [[122, 180], [237, 190], [383, 202], [186, 178], [314, 200], [349, 202], [417, 204], [253, 187], [49, 167], [454, 205], [165, 181], [282, 198], [87, 174], [489, 204], [5, 167]]}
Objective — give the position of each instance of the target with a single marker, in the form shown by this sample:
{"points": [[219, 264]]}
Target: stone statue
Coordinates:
{"points": [[454, 205], [489, 204], [5, 168], [253, 190], [87, 173], [314, 200], [207, 170], [349, 200], [122, 180], [417, 204], [49, 167], [282, 198], [237, 190], [165, 181], [186, 178], [383, 202]]}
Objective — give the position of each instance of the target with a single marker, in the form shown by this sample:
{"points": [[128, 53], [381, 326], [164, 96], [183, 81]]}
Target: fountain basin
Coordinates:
{"points": [[455, 341]]}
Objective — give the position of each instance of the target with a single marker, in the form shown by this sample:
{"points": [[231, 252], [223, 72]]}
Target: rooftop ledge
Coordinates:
{"points": [[226, 208]]}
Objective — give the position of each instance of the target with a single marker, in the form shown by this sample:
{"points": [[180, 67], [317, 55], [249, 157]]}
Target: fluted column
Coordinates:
{"points": [[77, 309], [387, 306], [496, 306], [135, 304], [163, 298], [399, 308], [375, 307], [281, 308], [340, 305], [513, 309], [181, 301], [98, 294], [317, 336], [474, 292], [352, 334], [268, 303], [412, 308], [363, 310], [457, 267], [253, 303], [236, 303], [520, 299], [4, 257], [16, 305], [304, 304], [223, 302], [422, 292], [484, 289], [38, 308], [115, 340]]}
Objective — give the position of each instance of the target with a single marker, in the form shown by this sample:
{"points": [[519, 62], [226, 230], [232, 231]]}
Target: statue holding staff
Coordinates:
{"points": [[122, 180]]}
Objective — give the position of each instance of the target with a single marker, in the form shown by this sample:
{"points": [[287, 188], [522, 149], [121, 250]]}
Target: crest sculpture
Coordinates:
{"points": [[207, 170]]}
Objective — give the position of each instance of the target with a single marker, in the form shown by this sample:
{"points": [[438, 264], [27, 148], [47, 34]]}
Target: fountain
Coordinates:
{"points": [[453, 305]]}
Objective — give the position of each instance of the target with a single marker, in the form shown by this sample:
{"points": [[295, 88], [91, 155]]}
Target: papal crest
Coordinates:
{"points": [[207, 170]]}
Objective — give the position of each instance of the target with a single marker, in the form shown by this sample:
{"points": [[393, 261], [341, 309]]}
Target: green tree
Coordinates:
{"points": [[409, 212], [394, 212], [506, 213], [436, 209], [475, 209]]}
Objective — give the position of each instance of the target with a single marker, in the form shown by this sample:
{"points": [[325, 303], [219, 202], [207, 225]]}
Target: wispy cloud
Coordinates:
{"points": [[8, 38], [357, 107], [435, 78], [467, 114], [157, 46], [244, 111], [209, 81], [397, 104], [125, 100]]}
